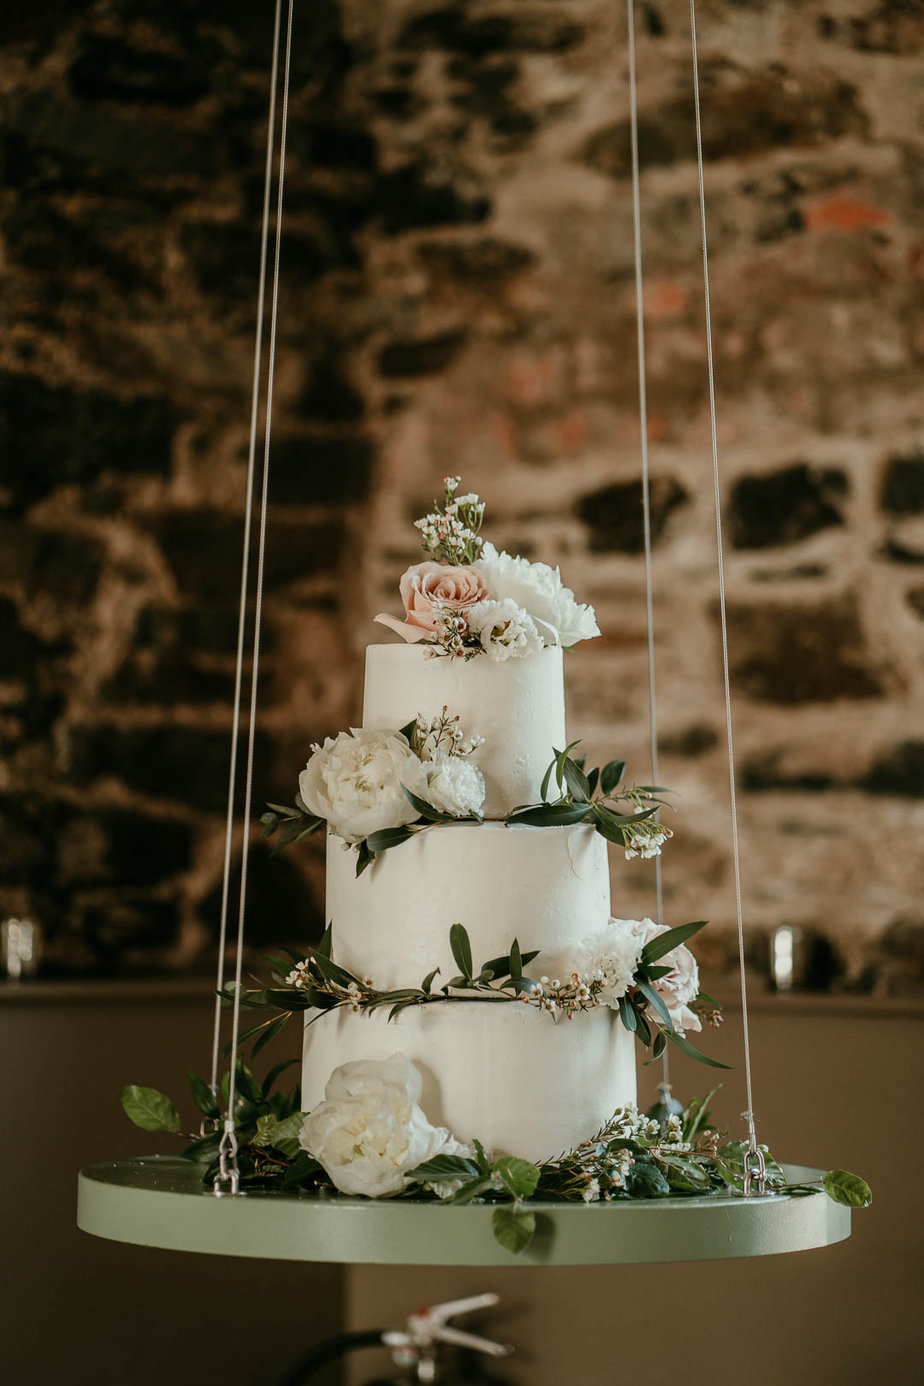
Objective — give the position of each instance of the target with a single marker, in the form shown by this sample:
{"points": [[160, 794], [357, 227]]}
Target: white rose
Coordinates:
{"points": [[453, 785], [504, 629], [369, 1130], [539, 590], [611, 956], [681, 985], [354, 783]]}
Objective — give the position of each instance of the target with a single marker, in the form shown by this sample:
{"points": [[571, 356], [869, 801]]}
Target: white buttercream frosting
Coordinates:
{"points": [[547, 887], [517, 706], [503, 1073]]}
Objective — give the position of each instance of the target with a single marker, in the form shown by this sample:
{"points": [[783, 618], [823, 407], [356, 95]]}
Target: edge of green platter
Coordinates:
{"points": [[160, 1201]]}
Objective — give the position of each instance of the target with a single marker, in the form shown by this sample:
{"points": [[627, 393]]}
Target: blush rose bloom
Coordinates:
{"points": [[354, 783], [369, 1130], [426, 587], [681, 985]]}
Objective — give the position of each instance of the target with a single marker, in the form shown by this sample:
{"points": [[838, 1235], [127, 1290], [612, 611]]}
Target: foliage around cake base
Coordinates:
{"points": [[632, 1157]]}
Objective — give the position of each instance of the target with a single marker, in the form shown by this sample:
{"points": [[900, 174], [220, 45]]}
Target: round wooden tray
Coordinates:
{"points": [[161, 1201]]}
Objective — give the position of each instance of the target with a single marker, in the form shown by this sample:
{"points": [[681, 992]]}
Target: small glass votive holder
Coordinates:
{"points": [[20, 948]]}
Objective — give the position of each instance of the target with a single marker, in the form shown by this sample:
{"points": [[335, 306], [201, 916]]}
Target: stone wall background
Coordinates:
{"points": [[457, 294]]}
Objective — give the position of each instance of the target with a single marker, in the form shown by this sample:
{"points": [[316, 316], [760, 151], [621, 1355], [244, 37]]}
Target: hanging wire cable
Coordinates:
{"points": [[754, 1165], [665, 1086], [228, 1171], [245, 559]]}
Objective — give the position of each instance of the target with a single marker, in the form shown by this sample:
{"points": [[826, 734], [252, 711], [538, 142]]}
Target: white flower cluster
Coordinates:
{"points": [[559, 998], [442, 733], [450, 533], [647, 839], [356, 781], [608, 959], [370, 1131], [539, 593], [503, 629]]}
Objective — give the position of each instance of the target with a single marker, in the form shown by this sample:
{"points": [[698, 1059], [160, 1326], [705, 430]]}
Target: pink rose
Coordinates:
{"points": [[425, 587]]}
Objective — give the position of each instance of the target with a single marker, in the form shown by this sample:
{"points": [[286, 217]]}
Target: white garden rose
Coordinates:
{"points": [[354, 782], [454, 785], [539, 590], [504, 629], [611, 956], [369, 1130], [681, 985]]}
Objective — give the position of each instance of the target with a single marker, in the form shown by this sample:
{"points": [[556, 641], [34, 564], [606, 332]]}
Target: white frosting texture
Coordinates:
{"points": [[517, 706], [503, 1073], [547, 887]]}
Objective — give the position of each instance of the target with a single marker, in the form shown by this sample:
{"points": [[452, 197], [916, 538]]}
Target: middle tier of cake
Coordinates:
{"points": [[547, 887]]}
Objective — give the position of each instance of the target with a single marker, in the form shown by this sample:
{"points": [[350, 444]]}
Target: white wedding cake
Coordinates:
{"points": [[464, 842]]}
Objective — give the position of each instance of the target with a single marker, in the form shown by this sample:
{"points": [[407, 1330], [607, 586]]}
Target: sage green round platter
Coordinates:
{"points": [[161, 1201]]}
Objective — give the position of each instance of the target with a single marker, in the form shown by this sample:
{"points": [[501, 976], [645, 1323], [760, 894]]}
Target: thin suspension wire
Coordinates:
{"points": [[646, 476], [229, 1139], [736, 853], [245, 559]]}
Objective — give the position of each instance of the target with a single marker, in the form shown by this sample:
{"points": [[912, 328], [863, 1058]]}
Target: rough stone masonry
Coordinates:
{"points": [[457, 295]]}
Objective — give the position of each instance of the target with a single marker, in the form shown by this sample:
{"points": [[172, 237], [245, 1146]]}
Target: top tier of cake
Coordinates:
{"points": [[518, 706]]}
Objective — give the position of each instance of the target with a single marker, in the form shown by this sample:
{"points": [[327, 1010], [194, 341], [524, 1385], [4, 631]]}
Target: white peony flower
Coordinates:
{"points": [[611, 956], [354, 782], [454, 785], [504, 629], [369, 1130], [681, 985], [539, 590]]}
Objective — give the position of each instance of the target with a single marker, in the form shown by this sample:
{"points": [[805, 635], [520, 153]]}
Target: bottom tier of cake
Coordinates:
{"points": [[499, 1072]]}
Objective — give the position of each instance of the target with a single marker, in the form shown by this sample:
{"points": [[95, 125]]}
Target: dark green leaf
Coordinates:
{"points": [[686, 1047], [643, 1029], [427, 811], [203, 1096], [684, 1173], [303, 1169], [664, 943], [516, 960], [550, 815], [247, 1086], [627, 1014], [270, 1033], [513, 1227], [520, 1177], [443, 1168], [461, 947], [471, 1189], [645, 1180], [266, 1087], [331, 971], [847, 1188], [387, 837], [611, 774], [204, 1151], [544, 787], [407, 731], [327, 942], [149, 1109], [364, 857], [427, 982], [576, 781], [656, 1001], [593, 777], [270, 823]]}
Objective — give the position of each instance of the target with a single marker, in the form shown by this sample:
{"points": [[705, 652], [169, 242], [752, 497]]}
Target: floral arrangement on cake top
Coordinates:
{"points": [[469, 599], [377, 789]]}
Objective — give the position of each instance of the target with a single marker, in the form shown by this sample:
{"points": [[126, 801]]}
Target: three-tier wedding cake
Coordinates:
{"points": [[471, 956]]}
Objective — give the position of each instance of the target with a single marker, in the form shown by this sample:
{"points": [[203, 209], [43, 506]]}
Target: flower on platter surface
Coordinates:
{"points": [[354, 782], [539, 590], [681, 985], [428, 588], [369, 1130], [454, 785], [504, 630], [610, 957]]}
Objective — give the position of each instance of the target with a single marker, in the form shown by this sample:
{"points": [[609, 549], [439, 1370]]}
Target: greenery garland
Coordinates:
{"points": [[631, 1157]]}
